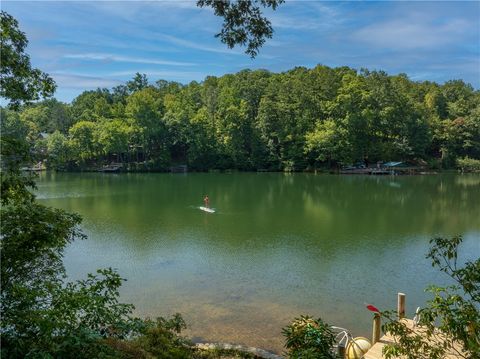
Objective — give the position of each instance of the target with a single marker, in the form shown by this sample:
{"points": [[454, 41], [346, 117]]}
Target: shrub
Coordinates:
{"points": [[309, 338], [468, 164], [434, 164]]}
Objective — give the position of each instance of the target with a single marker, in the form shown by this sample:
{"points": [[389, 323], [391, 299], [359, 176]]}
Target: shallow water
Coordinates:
{"points": [[279, 245]]}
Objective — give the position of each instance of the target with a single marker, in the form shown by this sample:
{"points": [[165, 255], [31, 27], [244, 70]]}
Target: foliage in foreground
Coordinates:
{"points": [[243, 22], [43, 314], [19, 82], [308, 338], [451, 317]]}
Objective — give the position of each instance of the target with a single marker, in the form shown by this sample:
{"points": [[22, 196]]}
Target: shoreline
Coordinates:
{"points": [[368, 172]]}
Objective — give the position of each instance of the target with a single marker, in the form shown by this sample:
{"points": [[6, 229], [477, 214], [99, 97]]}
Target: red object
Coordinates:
{"points": [[372, 308]]}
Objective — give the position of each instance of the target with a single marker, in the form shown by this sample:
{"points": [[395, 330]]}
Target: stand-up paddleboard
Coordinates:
{"points": [[206, 209]]}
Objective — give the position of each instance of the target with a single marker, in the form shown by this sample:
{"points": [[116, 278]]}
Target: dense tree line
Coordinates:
{"points": [[295, 120]]}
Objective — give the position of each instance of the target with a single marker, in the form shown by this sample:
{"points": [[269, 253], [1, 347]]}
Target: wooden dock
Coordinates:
{"points": [[375, 352], [367, 171], [410, 170], [40, 166]]}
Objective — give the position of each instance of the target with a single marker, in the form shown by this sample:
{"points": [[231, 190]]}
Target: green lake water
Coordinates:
{"points": [[279, 245]]}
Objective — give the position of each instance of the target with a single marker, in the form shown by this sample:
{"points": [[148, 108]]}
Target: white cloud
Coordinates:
{"points": [[176, 75], [181, 4], [288, 22], [310, 15], [198, 46], [413, 33], [75, 81], [116, 58]]}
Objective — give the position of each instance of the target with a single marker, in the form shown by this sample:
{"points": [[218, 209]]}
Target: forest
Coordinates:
{"points": [[301, 119]]}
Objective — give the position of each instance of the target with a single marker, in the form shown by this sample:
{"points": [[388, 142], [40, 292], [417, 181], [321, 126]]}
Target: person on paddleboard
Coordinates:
{"points": [[206, 200]]}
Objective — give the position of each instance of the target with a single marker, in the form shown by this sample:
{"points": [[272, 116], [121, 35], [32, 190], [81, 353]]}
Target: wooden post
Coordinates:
{"points": [[401, 305], [377, 323]]}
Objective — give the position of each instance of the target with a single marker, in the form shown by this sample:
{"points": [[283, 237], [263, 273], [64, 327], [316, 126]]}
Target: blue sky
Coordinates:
{"points": [[90, 44]]}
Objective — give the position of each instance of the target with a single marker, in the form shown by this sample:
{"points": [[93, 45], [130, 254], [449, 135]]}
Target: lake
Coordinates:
{"points": [[279, 245]]}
